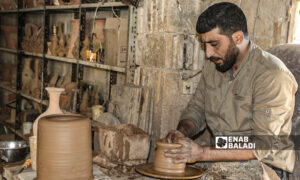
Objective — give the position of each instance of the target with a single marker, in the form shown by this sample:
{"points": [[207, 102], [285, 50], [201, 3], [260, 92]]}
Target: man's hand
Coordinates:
{"points": [[173, 135], [190, 151]]}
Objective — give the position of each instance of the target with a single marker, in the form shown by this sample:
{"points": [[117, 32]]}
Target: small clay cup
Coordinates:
{"points": [[165, 164]]}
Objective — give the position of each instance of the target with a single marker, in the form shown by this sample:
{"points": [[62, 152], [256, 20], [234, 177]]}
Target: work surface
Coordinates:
{"points": [[211, 171]]}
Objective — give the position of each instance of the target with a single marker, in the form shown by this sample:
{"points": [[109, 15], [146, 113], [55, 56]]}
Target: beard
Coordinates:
{"points": [[229, 59]]}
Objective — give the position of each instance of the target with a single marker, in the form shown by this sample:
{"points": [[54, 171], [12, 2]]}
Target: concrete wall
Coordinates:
{"points": [[168, 50]]}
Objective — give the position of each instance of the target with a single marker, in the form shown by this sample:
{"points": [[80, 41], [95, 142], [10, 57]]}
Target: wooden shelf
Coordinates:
{"points": [[65, 7], [9, 11], [12, 128], [8, 50], [6, 87], [32, 9], [107, 4], [102, 66], [63, 59], [44, 102], [86, 63], [33, 54], [62, 7]]}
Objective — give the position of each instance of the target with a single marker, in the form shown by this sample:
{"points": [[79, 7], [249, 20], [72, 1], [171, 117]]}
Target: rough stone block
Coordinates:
{"points": [[182, 15], [249, 7], [175, 51], [124, 143], [264, 43], [263, 27], [154, 51], [152, 78], [132, 105], [173, 89]]}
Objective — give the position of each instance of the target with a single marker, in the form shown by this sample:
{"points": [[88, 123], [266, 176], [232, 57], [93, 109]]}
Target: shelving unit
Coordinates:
{"points": [[3, 86], [77, 64], [8, 50]]}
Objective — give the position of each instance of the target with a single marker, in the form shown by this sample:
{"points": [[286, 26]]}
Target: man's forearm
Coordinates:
{"points": [[187, 128], [208, 153]]}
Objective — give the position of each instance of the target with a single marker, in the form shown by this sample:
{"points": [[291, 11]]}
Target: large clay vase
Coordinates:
{"points": [[64, 148], [165, 164], [54, 94]]}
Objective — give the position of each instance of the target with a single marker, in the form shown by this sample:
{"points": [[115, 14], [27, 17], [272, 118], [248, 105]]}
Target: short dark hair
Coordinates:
{"points": [[226, 16]]}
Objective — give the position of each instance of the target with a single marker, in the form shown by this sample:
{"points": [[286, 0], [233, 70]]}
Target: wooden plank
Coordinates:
{"points": [[8, 50]]}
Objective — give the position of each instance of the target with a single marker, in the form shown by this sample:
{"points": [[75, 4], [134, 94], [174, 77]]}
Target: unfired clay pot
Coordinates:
{"points": [[64, 148], [164, 164], [54, 94]]}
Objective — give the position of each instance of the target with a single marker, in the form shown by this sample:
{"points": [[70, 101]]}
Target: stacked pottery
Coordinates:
{"points": [[165, 164], [64, 148]]}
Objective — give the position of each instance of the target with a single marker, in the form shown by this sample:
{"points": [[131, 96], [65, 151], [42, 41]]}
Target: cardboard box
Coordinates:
{"points": [[116, 41]]}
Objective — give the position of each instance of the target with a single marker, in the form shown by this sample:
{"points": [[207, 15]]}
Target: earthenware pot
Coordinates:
{"points": [[165, 164], [54, 94], [64, 147]]}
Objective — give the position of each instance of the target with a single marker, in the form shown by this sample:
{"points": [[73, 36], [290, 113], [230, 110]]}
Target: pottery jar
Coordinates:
{"points": [[64, 148], [165, 164]]}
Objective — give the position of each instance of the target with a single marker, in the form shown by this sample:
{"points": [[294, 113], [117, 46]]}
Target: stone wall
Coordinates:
{"points": [[167, 49]]}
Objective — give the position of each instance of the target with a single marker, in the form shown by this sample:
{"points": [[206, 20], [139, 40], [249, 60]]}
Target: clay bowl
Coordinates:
{"points": [[164, 164]]}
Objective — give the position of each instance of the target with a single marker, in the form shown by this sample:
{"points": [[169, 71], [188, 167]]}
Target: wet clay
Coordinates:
{"points": [[64, 148], [164, 164], [124, 143]]}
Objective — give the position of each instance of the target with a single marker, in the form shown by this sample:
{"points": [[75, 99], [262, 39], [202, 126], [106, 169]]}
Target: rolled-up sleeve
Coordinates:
{"points": [[195, 108], [273, 106]]}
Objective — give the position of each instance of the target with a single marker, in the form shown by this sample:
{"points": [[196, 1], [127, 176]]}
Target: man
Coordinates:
{"points": [[243, 91]]}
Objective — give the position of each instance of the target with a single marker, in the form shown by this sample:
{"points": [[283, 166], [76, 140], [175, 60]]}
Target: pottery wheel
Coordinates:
{"points": [[148, 170]]}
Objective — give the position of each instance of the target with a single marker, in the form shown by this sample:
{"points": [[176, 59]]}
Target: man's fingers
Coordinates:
{"points": [[179, 160], [173, 135]]}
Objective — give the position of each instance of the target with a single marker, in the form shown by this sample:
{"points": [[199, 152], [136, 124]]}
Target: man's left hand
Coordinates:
{"points": [[190, 151]]}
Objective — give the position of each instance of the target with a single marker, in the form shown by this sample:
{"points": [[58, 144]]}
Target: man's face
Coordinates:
{"points": [[220, 49]]}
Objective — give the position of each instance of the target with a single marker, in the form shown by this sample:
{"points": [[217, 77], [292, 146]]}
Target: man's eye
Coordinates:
{"points": [[214, 44]]}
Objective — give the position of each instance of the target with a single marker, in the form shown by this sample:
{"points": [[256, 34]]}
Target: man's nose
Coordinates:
{"points": [[209, 52]]}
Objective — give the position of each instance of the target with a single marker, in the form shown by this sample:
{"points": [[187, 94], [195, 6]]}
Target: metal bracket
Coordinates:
{"points": [[112, 81], [136, 3], [131, 63]]}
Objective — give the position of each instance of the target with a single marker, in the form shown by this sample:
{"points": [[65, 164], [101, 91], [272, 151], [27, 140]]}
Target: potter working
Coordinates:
{"points": [[243, 91]]}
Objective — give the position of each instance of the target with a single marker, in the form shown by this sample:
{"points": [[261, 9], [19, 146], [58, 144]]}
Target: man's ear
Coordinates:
{"points": [[238, 37]]}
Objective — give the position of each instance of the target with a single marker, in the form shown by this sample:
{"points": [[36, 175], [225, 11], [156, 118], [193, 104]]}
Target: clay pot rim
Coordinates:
{"points": [[55, 89], [168, 145], [56, 117]]}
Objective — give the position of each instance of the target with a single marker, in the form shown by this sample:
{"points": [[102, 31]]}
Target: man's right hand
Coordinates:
{"points": [[173, 135]]}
